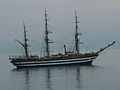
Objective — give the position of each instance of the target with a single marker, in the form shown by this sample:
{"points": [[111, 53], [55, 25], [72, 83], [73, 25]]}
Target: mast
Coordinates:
{"points": [[65, 50], [46, 35], [77, 51], [25, 41]]}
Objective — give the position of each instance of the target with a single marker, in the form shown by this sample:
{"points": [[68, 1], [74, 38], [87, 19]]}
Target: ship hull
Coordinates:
{"points": [[38, 63]]}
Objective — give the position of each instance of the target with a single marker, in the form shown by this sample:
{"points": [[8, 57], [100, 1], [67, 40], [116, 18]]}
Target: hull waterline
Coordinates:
{"points": [[79, 61]]}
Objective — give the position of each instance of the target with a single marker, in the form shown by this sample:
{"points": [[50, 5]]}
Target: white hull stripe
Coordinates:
{"points": [[55, 63]]}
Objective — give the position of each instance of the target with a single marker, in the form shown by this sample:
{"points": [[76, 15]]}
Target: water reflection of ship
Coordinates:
{"points": [[66, 58], [26, 77], [50, 78], [27, 80], [78, 77], [27, 74]]}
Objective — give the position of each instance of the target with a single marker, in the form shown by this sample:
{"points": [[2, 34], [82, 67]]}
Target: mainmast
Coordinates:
{"points": [[77, 51], [46, 35], [25, 41]]}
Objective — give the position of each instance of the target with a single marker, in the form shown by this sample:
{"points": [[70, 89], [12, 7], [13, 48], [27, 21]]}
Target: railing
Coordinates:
{"points": [[11, 57]]}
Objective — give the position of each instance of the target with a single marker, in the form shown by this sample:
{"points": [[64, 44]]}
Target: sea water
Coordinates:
{"points": [[104, 74]]}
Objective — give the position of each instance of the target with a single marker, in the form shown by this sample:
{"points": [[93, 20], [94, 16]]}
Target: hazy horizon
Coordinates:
{"points": [[98, 21]]}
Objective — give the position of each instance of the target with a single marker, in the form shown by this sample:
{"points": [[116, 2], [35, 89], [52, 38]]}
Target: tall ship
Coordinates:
{"points": [[67, 58]]}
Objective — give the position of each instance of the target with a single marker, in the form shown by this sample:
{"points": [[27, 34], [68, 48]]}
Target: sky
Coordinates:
{"points": [[99, 22]]}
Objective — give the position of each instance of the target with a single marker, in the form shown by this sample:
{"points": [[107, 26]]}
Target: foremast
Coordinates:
{"points": [[25, 45], [25, 41], [77, 41]]}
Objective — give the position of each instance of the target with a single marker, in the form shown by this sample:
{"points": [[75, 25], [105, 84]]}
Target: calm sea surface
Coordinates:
{"points": [[104, 74]]}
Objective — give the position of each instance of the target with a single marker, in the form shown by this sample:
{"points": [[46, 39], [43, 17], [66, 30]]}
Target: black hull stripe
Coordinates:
{"points": [[67, 64], [59, 64], [52, 64], [65, 61]]}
